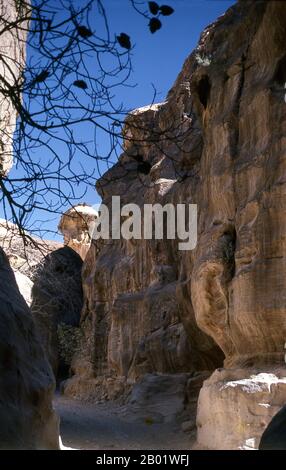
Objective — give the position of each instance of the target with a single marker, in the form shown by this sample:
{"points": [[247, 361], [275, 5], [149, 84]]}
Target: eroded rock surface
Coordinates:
{"points": [[218, 141]]}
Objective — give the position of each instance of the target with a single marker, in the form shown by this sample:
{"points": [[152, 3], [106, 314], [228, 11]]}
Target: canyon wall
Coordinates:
{"points": [[27, 418], [218, 141]]}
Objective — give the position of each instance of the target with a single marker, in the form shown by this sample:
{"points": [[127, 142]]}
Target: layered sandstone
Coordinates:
{"points": [[218, 141]]}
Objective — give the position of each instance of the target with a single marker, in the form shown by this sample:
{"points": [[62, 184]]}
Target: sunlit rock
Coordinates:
{"points": [[75, 226]]}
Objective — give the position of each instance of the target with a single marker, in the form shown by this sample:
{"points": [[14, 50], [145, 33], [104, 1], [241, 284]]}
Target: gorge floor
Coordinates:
{"points": [[109, 426]]}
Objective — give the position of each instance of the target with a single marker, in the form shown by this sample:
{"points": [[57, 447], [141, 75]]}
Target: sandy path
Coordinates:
{"points": [[104, 426]]}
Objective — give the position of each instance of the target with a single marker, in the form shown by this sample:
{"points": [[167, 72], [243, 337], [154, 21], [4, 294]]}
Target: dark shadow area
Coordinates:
{"points": [[204, 89], [280, 73], [274, 436], [57, 300]]}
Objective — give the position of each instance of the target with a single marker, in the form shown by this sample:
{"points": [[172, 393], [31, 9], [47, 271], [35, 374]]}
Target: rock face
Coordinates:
{"points": [[218, 141], [26, 379], [237, 289], [74, 225]]}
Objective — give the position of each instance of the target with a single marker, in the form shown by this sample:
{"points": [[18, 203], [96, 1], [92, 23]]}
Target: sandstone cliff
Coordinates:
{"points": [[218, 141]]}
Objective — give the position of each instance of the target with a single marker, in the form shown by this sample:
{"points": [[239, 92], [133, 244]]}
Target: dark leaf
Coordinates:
{"points": [[42, 76], [80, 84], [124, 40], [166, 10], [84, 32], [154, 25], [153, 7]]}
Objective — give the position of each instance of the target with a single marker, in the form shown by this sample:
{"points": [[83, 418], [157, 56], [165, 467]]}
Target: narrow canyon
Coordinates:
{"points": [[140, 344]]}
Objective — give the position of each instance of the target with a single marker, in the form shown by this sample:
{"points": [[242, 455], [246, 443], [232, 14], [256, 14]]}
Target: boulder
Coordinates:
{"points": [[244, 400]]}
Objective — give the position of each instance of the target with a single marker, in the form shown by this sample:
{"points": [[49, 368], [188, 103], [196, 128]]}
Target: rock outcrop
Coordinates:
{"points": [[219, 142], [75, 226]]}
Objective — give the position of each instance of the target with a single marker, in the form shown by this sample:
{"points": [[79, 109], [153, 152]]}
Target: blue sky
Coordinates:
{"points": [[157, 58]]}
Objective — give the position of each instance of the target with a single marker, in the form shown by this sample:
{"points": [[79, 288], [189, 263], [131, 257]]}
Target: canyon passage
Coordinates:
{"points": [[148, 346]]}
